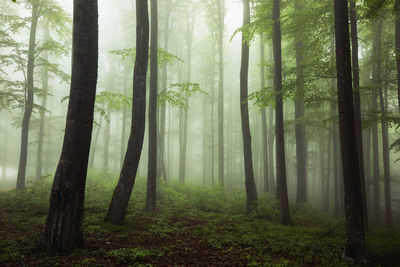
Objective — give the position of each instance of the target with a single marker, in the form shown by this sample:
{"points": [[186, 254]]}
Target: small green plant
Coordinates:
{"points": [[132, 255]]}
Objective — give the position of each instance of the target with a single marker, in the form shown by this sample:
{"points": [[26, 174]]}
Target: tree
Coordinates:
{"points": [[251, 191], [152, 162], [63, 228], [36, 9], [117, 210], [355, 244], [397, 45], [279, 128]]}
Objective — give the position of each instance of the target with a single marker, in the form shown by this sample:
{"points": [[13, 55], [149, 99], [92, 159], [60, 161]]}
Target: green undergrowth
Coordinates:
{"points": [[191, 226]]}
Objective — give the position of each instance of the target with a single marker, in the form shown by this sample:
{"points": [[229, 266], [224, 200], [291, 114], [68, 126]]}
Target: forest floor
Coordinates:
{"points": [[192, 226]]}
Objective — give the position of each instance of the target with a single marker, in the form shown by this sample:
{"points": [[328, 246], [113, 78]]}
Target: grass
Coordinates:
{"points": [[192, 226]]}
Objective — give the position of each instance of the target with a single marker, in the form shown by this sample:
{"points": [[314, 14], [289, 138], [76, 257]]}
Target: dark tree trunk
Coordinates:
{"points": [[117, 210], [29, 87], [63, 229], [397, 29], [221, 15], [355, 244], [152, 162], [279, 128], [357, 104], [301, 149], [386, 163], [264, 119], [45, 88], [376, 75], [251, 191]]}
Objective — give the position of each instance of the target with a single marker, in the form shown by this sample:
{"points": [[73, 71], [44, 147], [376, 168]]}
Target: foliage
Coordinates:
{"points": [[180, 97], [164, 57]]}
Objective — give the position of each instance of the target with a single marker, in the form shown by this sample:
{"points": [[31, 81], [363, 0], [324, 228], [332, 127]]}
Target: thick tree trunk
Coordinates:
{"points": [[279, 128], [63, 229], [117, 210], [45, 88], [152, 162], [251, 191], [357, 103], [386, 163], [29, 87], [264, 132], [355, 244], [221, 16], [376, 75]]}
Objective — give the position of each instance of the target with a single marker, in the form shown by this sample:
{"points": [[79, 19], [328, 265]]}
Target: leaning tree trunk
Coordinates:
{"points": [[357, 104], [63, 229], [301, 149], [29, 87], [117, 210], [251, 191], [152, 162], [221, 15], [264, 119], [355, 244], [279, 128]]}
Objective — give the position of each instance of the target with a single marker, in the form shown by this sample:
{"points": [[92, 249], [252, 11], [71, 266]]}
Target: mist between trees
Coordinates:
{"points": [[298, 100]]}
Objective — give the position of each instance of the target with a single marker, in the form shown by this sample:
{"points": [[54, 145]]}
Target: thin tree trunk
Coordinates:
{"points": [[301, 149], [124, 120], [279, 128], [94, 145], [29, 87], [266, 187], [251, 191], [386, 163], [377, 37], [45, 87], [118, 207], [355, 244], [357, 103], [106, 151], [322, 163], [63, 229], [221, 16], [152, 162], [397, 42], [271, 137]]}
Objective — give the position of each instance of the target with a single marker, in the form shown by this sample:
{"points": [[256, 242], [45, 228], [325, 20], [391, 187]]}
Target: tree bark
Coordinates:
{"points": [[397, 42], [355, 244], [357, 104], [152, 162], [63, 229], [29, 87], [279, 128], [118, 207], [251, 191], [266, 187]]}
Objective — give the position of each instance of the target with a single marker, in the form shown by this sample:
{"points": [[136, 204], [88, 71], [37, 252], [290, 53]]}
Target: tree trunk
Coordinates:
{"points": [[279, 128], [251, 191], [94, 145], [117, 210], [271, 137], [301, 149], [355, 244], [397, 41], [63, 229], [264, 119], [29, 87], [152, 162], [386, 162], [376, 75], [124, 119], [106, 151], [357, 104], [221, 16], [45, 87]]}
